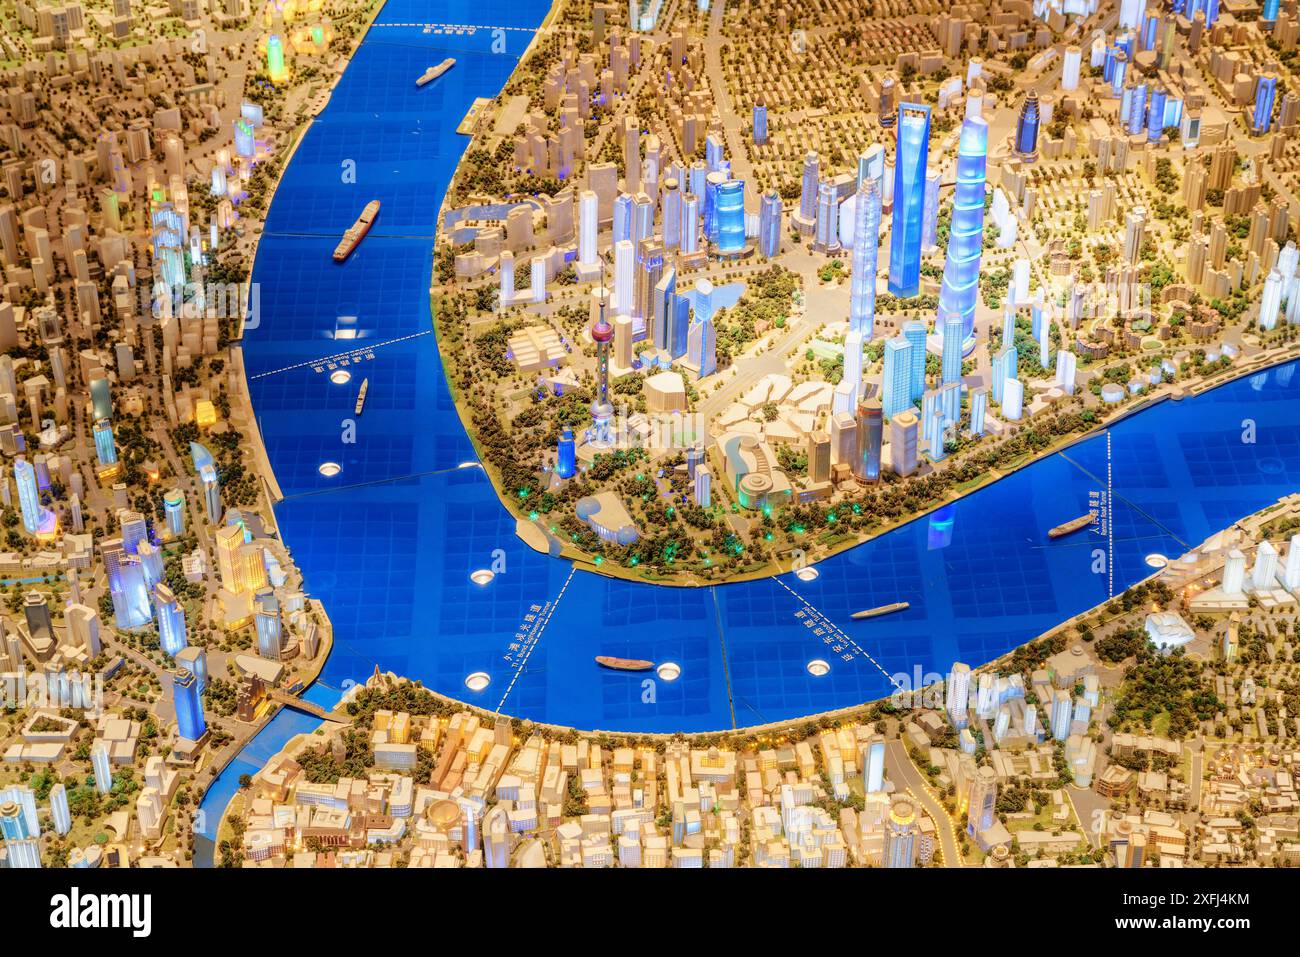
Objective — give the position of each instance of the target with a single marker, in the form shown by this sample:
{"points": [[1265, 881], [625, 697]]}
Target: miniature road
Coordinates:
{"points": [[905, 774]]}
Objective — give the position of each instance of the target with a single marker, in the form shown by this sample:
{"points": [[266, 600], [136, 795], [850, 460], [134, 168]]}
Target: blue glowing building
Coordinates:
{"points": [[730, 210], [1137, 108], [712, 183], [105, 449], [679, 325], [37, 519], [171, 620], [769, 224], [953, 337], [1150, 31], [914, 333], [866, 252], [566, 455], [1265, 94], [1026, 130], [1156, 115], [174, 511], [760, 123], [128, 589], [910, 162], [1269, 13], [896, 384], [189, 707], [961, 268]]}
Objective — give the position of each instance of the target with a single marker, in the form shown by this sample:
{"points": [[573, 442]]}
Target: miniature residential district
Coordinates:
{"points": [[1065, 239]]}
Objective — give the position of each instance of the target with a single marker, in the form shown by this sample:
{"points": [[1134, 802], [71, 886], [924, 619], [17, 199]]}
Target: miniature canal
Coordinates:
{"points": [[389, 543]]}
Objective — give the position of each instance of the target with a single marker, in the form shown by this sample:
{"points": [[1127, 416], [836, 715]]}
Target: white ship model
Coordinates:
{"points": [[431, 74]]}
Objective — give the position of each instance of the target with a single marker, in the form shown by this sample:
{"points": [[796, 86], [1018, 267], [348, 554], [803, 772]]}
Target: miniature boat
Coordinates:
{"points": [[356, 232], [1083, 521], [882, 610], [431, 74], [624, 664], [361, 396]]}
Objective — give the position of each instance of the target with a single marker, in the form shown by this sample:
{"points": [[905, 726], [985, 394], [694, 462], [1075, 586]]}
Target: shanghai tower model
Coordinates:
{"points": [[961, 269]]}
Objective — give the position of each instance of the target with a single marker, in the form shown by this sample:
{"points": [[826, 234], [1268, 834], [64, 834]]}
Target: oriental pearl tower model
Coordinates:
{"points": [[602, 410]]}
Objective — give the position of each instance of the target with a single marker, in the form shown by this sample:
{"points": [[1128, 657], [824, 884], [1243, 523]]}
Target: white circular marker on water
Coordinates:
{"points": [[340, 376], [1156, 560], [329, 469], [807, 573], [669, 671], [478, 681], [482, 576], [818, 668]]}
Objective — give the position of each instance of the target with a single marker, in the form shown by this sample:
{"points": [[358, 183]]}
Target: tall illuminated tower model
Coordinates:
{"points": [[961, 269], [1027, 129], [760, 122], [769, 224], [1268, 16], [690, 239], [871, 431], [730, 213], [909, 199], [602, 410], [1265, 93], [275, 58], [105, 449], [866, 244], [171, 620], [189, 707], [37, 520], [896, 382]]}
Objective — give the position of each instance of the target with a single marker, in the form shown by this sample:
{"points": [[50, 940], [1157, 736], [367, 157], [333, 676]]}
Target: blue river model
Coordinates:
{"points": [[389, 543]]}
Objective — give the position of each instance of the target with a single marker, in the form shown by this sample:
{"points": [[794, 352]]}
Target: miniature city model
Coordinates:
{"points": [[818, 435]]}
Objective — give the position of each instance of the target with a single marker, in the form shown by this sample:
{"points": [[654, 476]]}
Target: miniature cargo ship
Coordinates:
{"points": [[361, 395], [624, 664], [431, 74], [882, 610], [1068, 528], [357, 231]]}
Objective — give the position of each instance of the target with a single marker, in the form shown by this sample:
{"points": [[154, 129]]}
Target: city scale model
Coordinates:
{"points": [[835, 434]]}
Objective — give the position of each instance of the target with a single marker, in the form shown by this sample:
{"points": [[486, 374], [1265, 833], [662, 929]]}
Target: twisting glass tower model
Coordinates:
{"points": [[1027, 128], [866, 243], [909, 199], [961, 269], [602, 410]]}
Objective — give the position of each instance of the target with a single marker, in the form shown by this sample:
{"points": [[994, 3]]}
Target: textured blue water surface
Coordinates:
{"points": [[389, 543]]}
